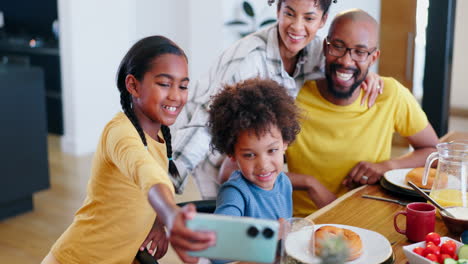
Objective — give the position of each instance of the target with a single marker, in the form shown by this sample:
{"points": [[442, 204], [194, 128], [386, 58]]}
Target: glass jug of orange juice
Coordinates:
{"points": [[450, 184]]}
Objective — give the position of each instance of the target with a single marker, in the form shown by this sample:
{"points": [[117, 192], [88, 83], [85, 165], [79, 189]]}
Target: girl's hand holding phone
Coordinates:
{"points": [[183, 239]]}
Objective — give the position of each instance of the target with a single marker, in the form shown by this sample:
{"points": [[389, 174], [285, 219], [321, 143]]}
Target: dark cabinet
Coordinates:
{"points": [[23, 148], [19, 52]]}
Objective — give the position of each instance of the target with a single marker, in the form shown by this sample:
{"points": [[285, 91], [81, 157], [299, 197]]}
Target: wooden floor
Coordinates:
{"points": [[28, 237]]}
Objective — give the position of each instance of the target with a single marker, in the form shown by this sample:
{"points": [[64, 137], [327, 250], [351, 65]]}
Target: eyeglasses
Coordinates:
{"points": [[339, 50]]}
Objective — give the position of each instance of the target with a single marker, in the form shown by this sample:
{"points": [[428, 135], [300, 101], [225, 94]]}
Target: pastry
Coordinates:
{"points": [[416, 175], [352, 239]]}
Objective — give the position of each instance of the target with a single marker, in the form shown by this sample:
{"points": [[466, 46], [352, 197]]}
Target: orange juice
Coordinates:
{"points": [[448, 197]]}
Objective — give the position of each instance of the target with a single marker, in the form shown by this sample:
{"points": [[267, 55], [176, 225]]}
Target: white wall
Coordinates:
{"points": [[459, 91], [163, 17], [205, 32], [94, 36]]}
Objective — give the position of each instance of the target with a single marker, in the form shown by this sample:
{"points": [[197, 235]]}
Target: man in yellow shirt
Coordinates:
{"points": [[343, 143]]}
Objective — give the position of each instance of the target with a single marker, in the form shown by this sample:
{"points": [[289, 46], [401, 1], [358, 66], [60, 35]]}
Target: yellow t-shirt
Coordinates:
{"points": [[333, 139], [116, 216]]}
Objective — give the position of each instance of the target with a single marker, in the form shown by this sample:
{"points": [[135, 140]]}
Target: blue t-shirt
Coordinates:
{"points": [[239, 197]]}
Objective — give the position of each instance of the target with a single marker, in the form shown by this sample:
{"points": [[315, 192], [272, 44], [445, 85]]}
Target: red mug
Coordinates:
{"points": [[420, 220]]}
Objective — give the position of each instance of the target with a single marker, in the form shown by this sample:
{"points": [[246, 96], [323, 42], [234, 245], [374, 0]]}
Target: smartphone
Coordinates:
{"points": [[237, 238]]}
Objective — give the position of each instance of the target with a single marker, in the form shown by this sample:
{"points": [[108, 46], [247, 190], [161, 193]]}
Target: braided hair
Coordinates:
{"points": [[137, 62], [324, 4]]}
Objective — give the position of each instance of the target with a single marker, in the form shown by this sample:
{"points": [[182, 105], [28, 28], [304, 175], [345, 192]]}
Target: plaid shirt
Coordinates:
{"points": [[256, 55]]}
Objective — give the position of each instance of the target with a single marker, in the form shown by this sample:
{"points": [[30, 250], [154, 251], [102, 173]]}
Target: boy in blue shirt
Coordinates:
{"points": [[253, 122]]}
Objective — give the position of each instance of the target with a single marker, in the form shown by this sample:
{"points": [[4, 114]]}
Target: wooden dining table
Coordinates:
{"points": [[353, 210]]}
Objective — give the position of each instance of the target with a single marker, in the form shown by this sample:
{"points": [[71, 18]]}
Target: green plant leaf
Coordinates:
{"points": [[248, 9], [235, 23], [267, 22]]}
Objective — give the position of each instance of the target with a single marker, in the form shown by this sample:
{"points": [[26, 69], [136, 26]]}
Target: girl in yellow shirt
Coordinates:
{"points": [[129, 184]]}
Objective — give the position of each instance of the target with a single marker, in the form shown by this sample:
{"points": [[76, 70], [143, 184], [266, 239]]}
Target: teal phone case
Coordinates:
{"points": [[238, 238]]}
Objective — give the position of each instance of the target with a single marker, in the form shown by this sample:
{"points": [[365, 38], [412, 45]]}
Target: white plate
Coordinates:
{"points": [[397, 178], [414, 258], [376, 248]]}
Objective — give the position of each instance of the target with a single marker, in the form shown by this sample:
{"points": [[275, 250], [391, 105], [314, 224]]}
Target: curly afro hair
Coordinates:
{"points": [[256, 105]]}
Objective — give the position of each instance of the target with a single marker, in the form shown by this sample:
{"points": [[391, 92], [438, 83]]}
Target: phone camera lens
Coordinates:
{"points": [[268, 232], [252, 231]]}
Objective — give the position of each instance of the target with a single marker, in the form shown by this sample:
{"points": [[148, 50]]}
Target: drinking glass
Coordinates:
{"points": [[298, 245]]}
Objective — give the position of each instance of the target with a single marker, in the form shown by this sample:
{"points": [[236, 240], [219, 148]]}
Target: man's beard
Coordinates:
{"points": [[331, 86]]}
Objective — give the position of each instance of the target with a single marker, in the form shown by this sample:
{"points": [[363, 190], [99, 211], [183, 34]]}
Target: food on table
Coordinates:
{"points": [[433, 237], [352, 240], [443, 253], [432, 257], [431, 248], [418, 250], [449, 248], [459, 212], [416, 175], [463, 252], [446, 258], [458, 224]]}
